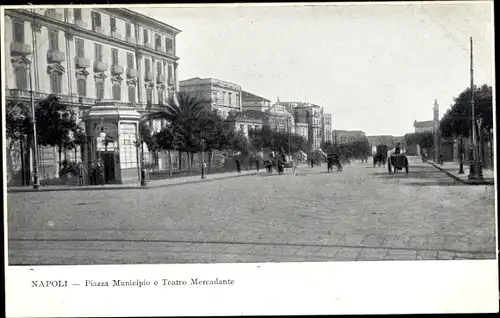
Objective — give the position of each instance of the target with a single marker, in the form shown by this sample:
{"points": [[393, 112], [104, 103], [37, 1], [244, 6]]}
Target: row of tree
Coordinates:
{"points": [[356, 149]]}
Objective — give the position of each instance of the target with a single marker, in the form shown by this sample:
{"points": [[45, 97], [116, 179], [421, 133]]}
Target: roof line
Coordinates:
{"points": [[148, 18]]}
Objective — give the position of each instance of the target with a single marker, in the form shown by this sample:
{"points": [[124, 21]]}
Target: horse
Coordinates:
{"points": [[398, 161], [333, 160]]}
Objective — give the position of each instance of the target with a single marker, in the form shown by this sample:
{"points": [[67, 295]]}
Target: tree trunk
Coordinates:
{"points": [[76, 154], [23, 167], [180, 161], [169, 163], [59, 148], [210, 158], [191, 160]]}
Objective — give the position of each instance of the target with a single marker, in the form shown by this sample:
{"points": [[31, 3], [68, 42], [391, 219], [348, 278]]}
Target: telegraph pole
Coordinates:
{"points": [[36, 181], [475, 170]]}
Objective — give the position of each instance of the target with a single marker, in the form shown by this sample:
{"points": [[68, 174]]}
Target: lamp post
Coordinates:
{"points": [[203, 158], [475, 170]]}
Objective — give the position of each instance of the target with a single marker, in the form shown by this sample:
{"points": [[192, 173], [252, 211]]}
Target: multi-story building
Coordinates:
{"points": [[326, 127], [217, 94], [110, 65], [424, 126], [347, 136], [254, 102], [280, 119]]}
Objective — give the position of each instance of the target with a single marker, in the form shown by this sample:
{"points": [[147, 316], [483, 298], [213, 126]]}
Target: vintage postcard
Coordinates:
{"points": [[237, 159]]}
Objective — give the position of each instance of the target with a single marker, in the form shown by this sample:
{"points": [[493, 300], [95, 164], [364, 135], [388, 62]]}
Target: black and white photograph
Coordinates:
{"points": [[250, 133]]}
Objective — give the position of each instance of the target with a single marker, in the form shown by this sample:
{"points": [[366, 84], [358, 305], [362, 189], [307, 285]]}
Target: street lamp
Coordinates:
{"points": [[203, 158], [475, 170]]}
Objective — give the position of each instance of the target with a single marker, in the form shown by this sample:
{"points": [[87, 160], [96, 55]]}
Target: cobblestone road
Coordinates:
{"points": [[361, 213]]}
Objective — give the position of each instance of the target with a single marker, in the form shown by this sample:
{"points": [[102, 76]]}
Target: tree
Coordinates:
{"points": [[423, 139]]}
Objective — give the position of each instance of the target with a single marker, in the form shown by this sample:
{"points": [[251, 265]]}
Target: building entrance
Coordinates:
{"points": [[109, 167]]}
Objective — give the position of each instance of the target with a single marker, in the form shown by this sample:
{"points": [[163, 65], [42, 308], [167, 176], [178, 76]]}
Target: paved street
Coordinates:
{"points": [[361, 213]]}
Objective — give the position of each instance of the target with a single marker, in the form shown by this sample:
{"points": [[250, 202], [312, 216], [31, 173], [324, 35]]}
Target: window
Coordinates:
{"points": [[114, 56], [169, 45], [112, 24], [157, 42], [80, 47], [56, 83], [146, 40], [229, 96], [158, 68], [21, 78], [98, 52], [149, 95], [238, 100], [77, 14], [81, 87], [147, 63], [242, 127], [160, 96], [53, 40], [96, 20], [18, 28], [131, 93], [117, 91], [99, 90], [128, 30], [130, 60], [170, 73]]}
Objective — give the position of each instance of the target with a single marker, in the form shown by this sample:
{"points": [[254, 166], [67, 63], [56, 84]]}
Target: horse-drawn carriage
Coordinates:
{"points": [[398, 162], [334, 159], [380, 156]]}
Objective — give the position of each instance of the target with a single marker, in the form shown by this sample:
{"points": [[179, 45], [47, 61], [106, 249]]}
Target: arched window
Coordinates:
{"points": [[81, 87], [99, 90], [56, 82], [21, 78], [117, 91]]}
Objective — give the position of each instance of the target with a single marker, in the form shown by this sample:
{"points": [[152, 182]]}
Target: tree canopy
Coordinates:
{"points": [[423, 139]]}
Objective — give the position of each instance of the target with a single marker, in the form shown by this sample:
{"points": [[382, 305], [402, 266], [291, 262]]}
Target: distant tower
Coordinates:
{"points": [[437, 143]]}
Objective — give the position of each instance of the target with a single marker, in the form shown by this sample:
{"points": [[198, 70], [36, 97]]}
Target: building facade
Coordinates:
{"points": [[347, 136], [110, 65], [217, 94], [423, 126], [326, 128]]}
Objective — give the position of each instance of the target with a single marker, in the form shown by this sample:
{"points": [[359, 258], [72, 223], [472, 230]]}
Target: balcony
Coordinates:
{"points": [[131, 73], [55, 56], [160, 79], [82, 62], [149, 45], [19, 49], [149, 76], [117, 35], [81, 24], [100, 30], [159, 48], [100, 66], [171, 81], [53, 14], [116, 70]]}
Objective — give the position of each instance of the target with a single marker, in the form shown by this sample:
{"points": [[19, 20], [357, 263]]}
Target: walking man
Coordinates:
{"points": [[238, 165]]}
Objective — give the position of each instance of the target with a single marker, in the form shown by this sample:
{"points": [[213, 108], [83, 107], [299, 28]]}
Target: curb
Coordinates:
{"points": [[469, 182], [97, 188]]}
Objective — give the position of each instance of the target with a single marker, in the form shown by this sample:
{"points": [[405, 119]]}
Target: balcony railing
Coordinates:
{"points": [[100, 66], [82, 62], [149, 45], [18, 48], [53, 14], [131, 73], [130, 39], [149, 76], [160, 79], [116, 70], [19, 93], [159, 48], [100, 30], [55, 56], [117, 35], [81, 24]]}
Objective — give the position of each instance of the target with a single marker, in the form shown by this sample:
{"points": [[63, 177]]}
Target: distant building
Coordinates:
{"points": [[347, 136], [280, 119], [326, 128], [254, 102], [217, 94]]}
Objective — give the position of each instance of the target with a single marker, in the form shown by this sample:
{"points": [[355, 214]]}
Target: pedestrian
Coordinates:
{"points": [[257, 164], [81, 172], [93, 173], [312, 163], [100, 171], [238, 165]]}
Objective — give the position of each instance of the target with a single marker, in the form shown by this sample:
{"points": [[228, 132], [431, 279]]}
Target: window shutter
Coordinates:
{"points": [[130, 60], [18, 31]]}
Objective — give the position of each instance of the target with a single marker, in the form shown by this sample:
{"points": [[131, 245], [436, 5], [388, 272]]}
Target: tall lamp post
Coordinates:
{"points": [[203, 158], [475, 170]]}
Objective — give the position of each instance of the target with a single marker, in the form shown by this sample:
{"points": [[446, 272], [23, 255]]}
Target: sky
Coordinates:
{"points": [[374, 67]]}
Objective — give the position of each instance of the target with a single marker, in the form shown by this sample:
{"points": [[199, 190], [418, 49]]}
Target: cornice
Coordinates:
{"points": [[87, 34]]}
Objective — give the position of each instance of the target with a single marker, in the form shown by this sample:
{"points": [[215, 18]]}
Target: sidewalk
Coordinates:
{"points": [[137, 185], [452, 168]]}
